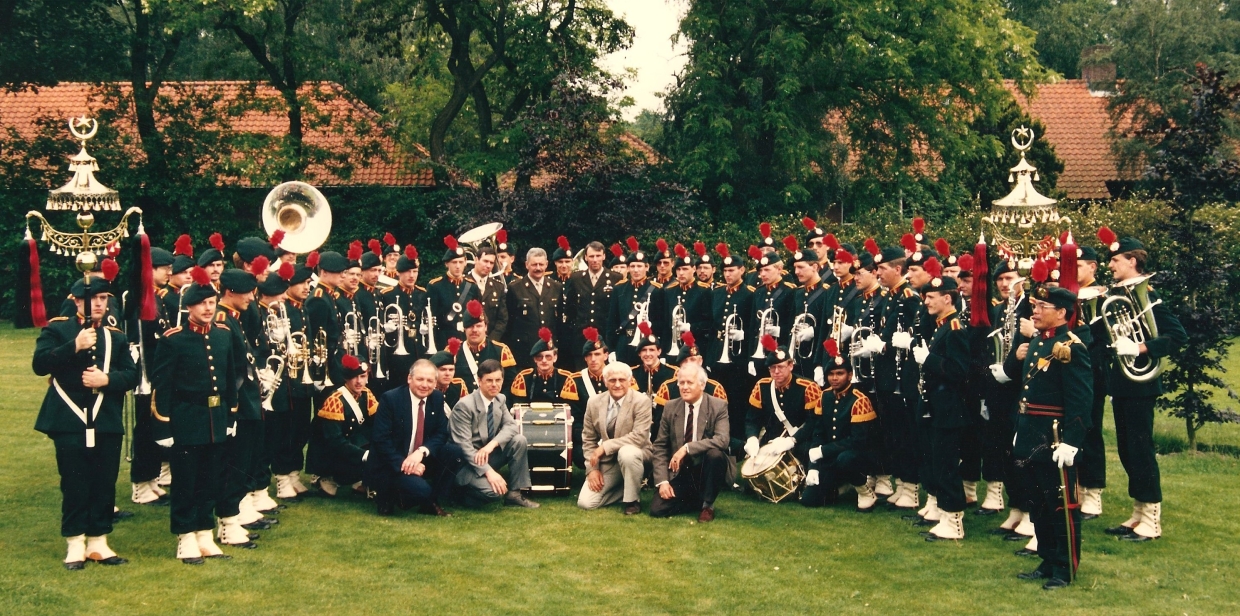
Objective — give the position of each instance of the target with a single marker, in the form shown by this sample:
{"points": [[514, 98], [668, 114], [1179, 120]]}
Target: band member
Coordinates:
{"points": [[616, 443], [391, 254], [492, 289], [145, 467], [619, 262], [945, 360], [704, 265], [1055, 402], [662, 263], [633, 301], [1001, 396], [348, 306], [845, 445], [1092, 463], [563, 331], [212, 259], [650, 372], [91, 370], [1133, 401], [450, 293], [686, 302], [411, 301], [289, 458], [731, 305], [585, 385], [562, 259], [289, 397], [372, 269], [808, 326], [781, 406], [325, 320], [587, 297], [340, 438], [690, 456], [505, 255], [413, 460], [194, 378], [182, 263], [490, 438], [771, 313], [533, 305], [543, 382], [815, 238], [479, 348], [451, 386]]}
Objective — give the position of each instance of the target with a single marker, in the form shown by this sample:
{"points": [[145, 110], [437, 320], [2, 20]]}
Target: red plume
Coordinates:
{"points": [[259, 265], [217, 241], [411, 252], [943, 248], [765, 230], [979, 303], [1067, 265], [450, 242], [147, 310], [375, 247], [286, 271], [681, 251], [644, 328], [919, 225], [355, 251], [871, 246], [633, 245], [965, 261], [109, 269], [791, 243], [1040, 271], [454, 345], [389, 239], [200, 276], [809, 223], [475, 308], [831, 242], [769, 343], [1107, 236], [909, 242], [312, 260], [843, 256], [29, 258], [350, 362], [933, 267], [699, 248], [276, 238], [831, 346], [562, 242], [661, 245], [501, 236], [722, 249], [688, 340], [544, 334], [591, 334], [755, 253], [616, 250], [184, 246]]}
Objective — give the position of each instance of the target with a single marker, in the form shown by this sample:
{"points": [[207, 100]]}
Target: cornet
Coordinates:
{"points": [[376, 340], [803, 328], [428, 329], [730, 326], [296, 356], [768, 321], [856, 344], [351, 338], [321, 357], [395, 322], [643, 316], [679, 326], [269, 380]]}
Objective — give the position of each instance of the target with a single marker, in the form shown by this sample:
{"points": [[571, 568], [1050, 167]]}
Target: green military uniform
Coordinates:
{"points": [[577, 392], [800, 402], [412, 303], [623, 315], [244, 452], [845, 445], [530, 386], [942, 409], [489, 349], [448, 300], [648, 382], [341, 436]]}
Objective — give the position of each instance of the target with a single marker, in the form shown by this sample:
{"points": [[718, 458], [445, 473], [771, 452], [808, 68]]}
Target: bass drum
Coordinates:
{"points": [[775, 475]]}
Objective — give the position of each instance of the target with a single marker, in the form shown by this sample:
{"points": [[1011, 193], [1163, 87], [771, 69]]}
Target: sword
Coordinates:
{"points": [[1067, 513]]}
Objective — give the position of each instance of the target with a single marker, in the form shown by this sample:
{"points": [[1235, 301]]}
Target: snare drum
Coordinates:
{"points": [[774, 475]]}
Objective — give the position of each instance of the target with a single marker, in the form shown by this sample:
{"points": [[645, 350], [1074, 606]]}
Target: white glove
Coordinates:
{"points": [[231, 430], [811, 478], [1027, 329], [737, 335], [773, 330], [1064, 454], [684, 327], [921, 353], [902, 340], [875, 345], [818, 378], [1126, 347], [783, 443], [134, 352], [611, 357], [815, 454], [423, 329], [752, 370], [864, 350], [806, 333], [165, 442], [365, 454], [751, 447], [996, 370], [846, 332]]}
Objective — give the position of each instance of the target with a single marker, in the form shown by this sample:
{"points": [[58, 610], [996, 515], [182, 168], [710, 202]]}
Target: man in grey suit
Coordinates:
{"points": [[615, 442], [488, 435], [690, 454]]}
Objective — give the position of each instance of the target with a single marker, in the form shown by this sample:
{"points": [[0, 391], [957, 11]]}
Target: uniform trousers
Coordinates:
{"points": [[87, 482], [837, 468], [696, 485], [239, 462], [899, 435], [147, 456], [1091, 462], [197, 475], [1053, 529], [945, 468], [1134, 437]]}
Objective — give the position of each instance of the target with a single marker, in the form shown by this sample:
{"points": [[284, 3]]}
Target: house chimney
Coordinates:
{"points": [[1098, 70]]}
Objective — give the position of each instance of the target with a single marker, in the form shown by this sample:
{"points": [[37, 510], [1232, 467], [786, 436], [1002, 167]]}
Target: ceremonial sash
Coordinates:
{"points": [[352, 403], [472, 363], [587, 383], [779, 412], [89, 420]]}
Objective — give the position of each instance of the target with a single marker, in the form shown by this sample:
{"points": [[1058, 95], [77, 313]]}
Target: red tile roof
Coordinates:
{"points": [[1077, 124], [333, 120]]}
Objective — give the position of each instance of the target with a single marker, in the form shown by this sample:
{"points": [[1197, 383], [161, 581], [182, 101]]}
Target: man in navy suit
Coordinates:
{"points": [[412, 456]]}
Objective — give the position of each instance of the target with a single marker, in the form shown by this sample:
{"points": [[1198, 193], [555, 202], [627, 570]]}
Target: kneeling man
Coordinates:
{"points": [[616, 442], [690, 454], [489, 437]]}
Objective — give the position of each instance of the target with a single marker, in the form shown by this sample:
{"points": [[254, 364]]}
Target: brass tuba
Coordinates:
{"points": [[1131, 316], [302, 212]]}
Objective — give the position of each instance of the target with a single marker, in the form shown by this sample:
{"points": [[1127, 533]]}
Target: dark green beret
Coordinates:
{"points": [[194, 293], [238, 281], [98, 286], [369, 260], [333, 262], [1059, 297], [250, 248], [889, 254], [181, 263], [300, 275], [161, 257], [209, 256], [272, 286]]}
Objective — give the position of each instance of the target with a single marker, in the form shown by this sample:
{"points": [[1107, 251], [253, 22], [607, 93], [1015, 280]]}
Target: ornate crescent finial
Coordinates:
{"points": [[77, 123], [1022, 138]]}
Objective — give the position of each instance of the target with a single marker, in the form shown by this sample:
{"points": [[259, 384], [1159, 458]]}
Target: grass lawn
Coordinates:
{"points": [[337, 557]]}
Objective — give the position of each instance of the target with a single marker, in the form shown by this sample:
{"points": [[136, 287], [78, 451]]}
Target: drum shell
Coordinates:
{"points": [[548, 435]]}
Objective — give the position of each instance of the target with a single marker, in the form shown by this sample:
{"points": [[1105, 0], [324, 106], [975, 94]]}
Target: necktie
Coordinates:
{"points": [[689, 425], [612, 411], [421, 423], [491, 421]]}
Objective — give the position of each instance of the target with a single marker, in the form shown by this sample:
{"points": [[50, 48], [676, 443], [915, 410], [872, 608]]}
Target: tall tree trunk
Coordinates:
{"points": [[144, 95]]}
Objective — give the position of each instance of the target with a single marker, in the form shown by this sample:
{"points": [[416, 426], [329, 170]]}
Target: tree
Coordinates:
{"points": [[784, 105], [1064, 28], [1192, 166], [47, 41]]}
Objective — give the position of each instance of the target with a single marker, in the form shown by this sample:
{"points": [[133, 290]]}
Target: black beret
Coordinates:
{"points": [[333, 262], [939, 285], [1059, 297], [182, 263], [238, 281], [161, 257], [889, 254], [300, 275], [272, 286], [98, 286], [209, 256], [250, 248], [369, 260], [194, 293]]}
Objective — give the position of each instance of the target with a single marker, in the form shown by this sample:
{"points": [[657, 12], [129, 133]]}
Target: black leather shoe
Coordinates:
{"points": [[76, 565], [931, 537], [1036, 574], [1054, 583], [633, 508], [252, 536], [248, 545], [162, 501], [263, 524], [1000, 531], [1025, 552], [111, 561], [985, 511], [197, 560], [117, 516], [1015, 537], [219, 557], [1118, 531], [1135, 538], [925, 522], [435, 510], [912, 517]]}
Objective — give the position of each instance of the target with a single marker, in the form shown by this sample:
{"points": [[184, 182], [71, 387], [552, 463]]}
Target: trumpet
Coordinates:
{"points": [[269, 379], [856, 342], [296, 355], [679, 326], [768, 323], [395, 322], [321, 356], [351, 338], [376, 340], [731, 327], [643, 315], [1131, 316], [428, 329]]}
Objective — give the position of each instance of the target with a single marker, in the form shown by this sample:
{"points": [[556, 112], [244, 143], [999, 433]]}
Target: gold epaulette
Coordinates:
{"points": [[526, 372], [660, 396], [656, 284], [423, 289], [813, 395], [702, 285], [750, 288], [569, 391], [55, 319], [996, 301], [862, 409], [333, 408], [223, 326], [956, 324], [172, 331], [719, 390], [506, 358], [372, 403], [564, 373], [789, 285], [221, 317], [909, 293], [434, 280], [755, 396], [115, 329], [162, 293], [517, 388]]}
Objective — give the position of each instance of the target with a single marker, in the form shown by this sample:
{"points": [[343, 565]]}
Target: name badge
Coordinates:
{"points": [[213, 401], [90, 437]]}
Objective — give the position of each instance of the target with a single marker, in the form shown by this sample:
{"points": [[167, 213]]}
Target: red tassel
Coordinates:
{"points": [[979, 302], [38, 311], [147, 292]]}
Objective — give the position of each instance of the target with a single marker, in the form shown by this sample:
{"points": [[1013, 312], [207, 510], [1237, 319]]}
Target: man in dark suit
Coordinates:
{"points": [[690, 454], [533, 303], [412, 457], [587, 298]]}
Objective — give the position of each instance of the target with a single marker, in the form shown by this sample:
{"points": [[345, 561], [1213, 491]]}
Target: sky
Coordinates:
{"points": [[652, 54]]}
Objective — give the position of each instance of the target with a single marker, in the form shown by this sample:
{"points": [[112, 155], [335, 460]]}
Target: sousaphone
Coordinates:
{"points": [[302, 212]]}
